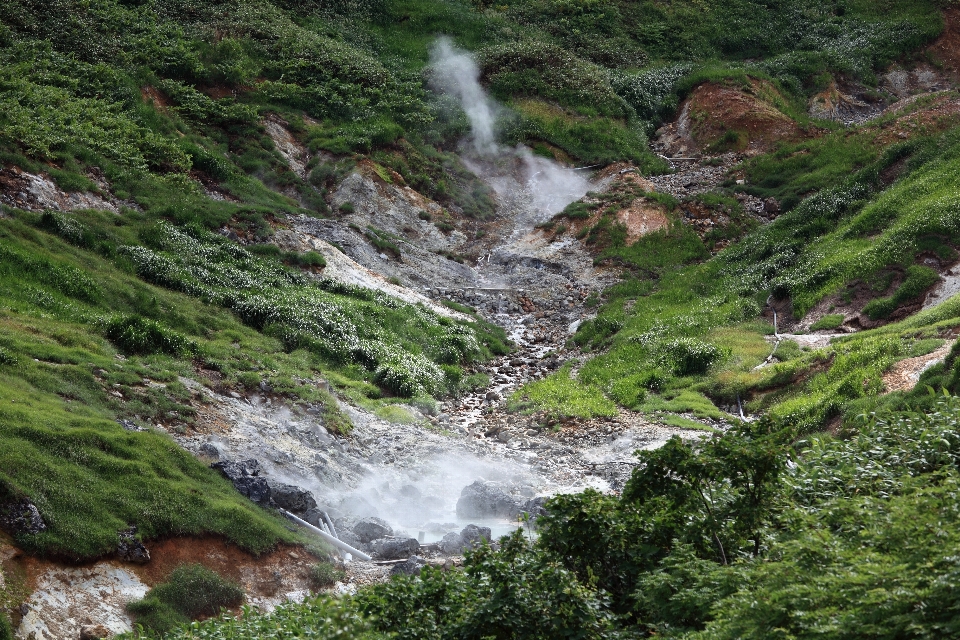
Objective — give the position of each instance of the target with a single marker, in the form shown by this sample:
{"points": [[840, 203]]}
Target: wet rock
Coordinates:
{"points": [[291, 497], [486, 500], [473, 536], [129, 549], [394, 548], [20, 517], [94, 632], [370, 529], [411, 567], [245, 476]]}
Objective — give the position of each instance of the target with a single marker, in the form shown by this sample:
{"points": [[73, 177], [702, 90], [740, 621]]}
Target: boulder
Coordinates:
{"points": [[486, 500], [472, 536], [209, 450], [94, 632], [351, 539], [395, 548], [410, 492], [451, 544], [291, 497], [245, 476], [129, 549], [255, 488], [411, 567], [234, 469], [21, 516], [370, 529], [534, 508]]}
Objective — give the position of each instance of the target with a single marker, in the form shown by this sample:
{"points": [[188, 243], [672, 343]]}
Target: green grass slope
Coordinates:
{"points": [[693, 334], [86, 342]]}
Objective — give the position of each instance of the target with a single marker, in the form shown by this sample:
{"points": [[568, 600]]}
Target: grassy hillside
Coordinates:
{"points": [[693, 336]]}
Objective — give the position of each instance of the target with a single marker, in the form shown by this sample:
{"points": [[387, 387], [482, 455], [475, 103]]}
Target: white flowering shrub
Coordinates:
{"points": [[402, 345]]}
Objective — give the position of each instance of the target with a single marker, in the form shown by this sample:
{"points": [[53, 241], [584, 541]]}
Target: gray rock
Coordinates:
{"points": [[351, 539], [245, 476], [370, 529], [482, 500], [255, 488], [209, 450], [473, 536], [394, 548], [359, 506], [21, 516], [313, 516], [129, 549], [411, 567], [451, 544], [410, 491], [291, 498], [534, 508]]}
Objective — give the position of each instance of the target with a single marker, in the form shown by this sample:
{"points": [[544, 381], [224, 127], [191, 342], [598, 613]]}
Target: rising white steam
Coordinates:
{"points": [[550, 185], [456, 73]]}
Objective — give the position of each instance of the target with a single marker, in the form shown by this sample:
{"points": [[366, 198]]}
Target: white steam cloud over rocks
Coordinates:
{"points": [[550, 185]]}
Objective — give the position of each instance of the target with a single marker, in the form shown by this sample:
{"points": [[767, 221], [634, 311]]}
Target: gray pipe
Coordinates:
{"points": [[329, 538]]}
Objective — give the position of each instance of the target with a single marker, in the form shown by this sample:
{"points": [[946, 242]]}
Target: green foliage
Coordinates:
{"points": [[189, 592], [325, 574], [916, 282], [141, 336], [829, 321], [530, 68], [319, 618], [6, 631], [795, 171], [511, 594], [689, 356], [559, 395]]}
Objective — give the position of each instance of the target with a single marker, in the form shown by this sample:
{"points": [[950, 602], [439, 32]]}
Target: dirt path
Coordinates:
{"points": [[904, 375]]}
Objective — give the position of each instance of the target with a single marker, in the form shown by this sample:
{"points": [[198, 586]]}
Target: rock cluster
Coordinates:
{"points": [[245, 476], [291, 498], [486, 500], [129, 549], [21, 517]]}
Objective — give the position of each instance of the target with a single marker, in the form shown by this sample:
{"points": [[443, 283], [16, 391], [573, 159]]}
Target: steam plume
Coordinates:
{"points": [[550, 185]]}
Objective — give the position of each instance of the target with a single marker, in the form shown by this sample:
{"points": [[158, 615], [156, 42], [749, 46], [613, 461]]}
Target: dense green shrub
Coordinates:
{"points": [[138, 335], [689, 356], [516, 593], [916, 282], [530, 68], [325, 574], [6, 630], [321, 618], [189, 592]]}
